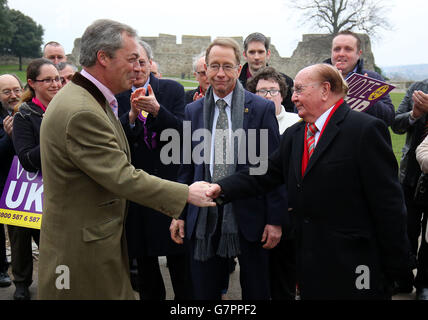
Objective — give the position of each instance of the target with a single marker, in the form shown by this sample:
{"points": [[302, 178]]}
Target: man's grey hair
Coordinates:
{"points": [[146, 48], [62, 65], [105, 35], [196, 58], [256, 37]]}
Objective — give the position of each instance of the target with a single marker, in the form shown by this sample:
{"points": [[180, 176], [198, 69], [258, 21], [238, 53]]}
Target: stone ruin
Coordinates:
{"points": [[176, 59]]}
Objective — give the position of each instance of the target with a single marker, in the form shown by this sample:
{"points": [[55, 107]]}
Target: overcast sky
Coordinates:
{"points": [[63, 21]]}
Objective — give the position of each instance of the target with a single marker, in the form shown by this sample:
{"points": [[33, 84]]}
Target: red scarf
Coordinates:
{"points": [[305, 158], [38, 103]]}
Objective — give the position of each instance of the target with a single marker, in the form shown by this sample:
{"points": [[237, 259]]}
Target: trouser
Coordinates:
{"points": [[416, 224], [150, 282], [282, 266], [3, 260], [208, 276], [22, 253]]}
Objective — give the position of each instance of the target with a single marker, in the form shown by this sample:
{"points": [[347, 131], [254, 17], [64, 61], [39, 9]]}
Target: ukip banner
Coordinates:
{"points": [[365, 91], [22, 200]]}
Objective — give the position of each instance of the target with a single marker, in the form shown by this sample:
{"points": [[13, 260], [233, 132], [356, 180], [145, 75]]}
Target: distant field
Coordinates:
{"points": [[14, 69]]}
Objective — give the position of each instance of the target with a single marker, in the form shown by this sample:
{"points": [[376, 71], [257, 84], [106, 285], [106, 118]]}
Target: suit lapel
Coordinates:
{"points": [[297, 150], [327, 137]]}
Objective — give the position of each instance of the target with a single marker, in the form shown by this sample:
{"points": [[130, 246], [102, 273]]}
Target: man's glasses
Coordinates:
{"points": [[298, 90], [49, 80], [263, 92], [8, 92], [226, 67], [202, 73]]}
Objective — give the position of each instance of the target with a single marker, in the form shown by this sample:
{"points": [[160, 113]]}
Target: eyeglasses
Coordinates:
{"points": [[202, 73], [263, 92], [8, 92], [226, 67], [298, 90], [49, 80]]}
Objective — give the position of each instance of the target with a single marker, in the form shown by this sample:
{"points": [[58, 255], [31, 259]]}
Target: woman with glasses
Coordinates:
{"points": [[43, 82], [270, 84]]}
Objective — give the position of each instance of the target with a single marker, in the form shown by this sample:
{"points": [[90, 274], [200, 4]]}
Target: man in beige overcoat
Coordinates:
{"points": [[88, 176]]}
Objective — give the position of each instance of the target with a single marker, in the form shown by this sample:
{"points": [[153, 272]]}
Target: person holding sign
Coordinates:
{"points": [[341, 177], [43, 83], [346, 56], [88, 177]]}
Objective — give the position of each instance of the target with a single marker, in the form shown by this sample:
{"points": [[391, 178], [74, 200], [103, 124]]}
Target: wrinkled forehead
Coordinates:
{"points": [[305, 76]]}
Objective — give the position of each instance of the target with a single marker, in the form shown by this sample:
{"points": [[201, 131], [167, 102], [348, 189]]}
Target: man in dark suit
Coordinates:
{"points": [[245, 228], [148, 230], [342, 183]]}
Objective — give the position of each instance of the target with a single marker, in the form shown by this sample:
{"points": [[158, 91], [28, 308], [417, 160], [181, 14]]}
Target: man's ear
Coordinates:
{"points": [[102, 58], [325, 90], [245, 55], [268, 55]]}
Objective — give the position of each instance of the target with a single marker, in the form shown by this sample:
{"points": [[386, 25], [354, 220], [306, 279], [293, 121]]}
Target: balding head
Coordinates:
{"points": [[316, 89], [10, 91]]}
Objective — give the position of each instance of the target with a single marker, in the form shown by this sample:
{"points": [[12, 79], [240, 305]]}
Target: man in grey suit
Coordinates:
{"points": [[88, 176]]}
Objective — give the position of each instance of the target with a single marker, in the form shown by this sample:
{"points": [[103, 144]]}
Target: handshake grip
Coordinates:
{"points": [[202, 194]]}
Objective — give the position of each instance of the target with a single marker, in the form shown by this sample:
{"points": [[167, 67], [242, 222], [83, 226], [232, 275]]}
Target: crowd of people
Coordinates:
{"points": [[331, 216]]}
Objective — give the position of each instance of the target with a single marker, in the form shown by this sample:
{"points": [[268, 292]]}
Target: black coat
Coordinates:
{"points": [[286, 102], [148, 230], [26, 135], [6, 150], [348, 207]]}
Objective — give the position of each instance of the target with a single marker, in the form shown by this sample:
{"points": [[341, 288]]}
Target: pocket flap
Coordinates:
{"points": [[102, 230]]}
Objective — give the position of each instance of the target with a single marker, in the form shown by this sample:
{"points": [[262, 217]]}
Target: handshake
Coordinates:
{"points": [[202, 194]]}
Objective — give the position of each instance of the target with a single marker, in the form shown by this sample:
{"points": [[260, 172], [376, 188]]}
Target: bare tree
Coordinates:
{"points": [[339, 15]]}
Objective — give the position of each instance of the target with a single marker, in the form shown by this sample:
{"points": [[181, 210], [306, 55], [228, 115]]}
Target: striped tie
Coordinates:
{"points": [[310, 138]]}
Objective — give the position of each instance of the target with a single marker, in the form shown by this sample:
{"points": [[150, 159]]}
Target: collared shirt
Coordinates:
{"points": [[111, 99], [352, 72], [320, 123], [228, 100], [145, 85]]}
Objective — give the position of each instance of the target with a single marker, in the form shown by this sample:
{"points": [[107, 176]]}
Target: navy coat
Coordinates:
{"points": [[252, 214], [147, 230]]}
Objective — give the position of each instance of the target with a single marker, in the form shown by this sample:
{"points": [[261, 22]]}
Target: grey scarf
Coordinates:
{"points": [[207, 217]]}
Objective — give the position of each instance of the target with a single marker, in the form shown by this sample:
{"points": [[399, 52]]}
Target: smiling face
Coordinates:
{"points": [[120, 71], [223, 82], [10, 91], [345, 53], [44, 89], [145, 68]]}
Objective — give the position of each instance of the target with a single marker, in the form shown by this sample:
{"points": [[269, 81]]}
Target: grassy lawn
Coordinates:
{"points": [[14, 69], [397, 139]]}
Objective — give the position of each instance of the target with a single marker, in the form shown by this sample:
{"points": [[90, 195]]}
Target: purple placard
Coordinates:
{"points": [[23, 190], [365, 91]]}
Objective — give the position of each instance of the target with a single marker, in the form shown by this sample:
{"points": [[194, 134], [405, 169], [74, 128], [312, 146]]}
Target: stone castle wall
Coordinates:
{"points": [[176, 59]]}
